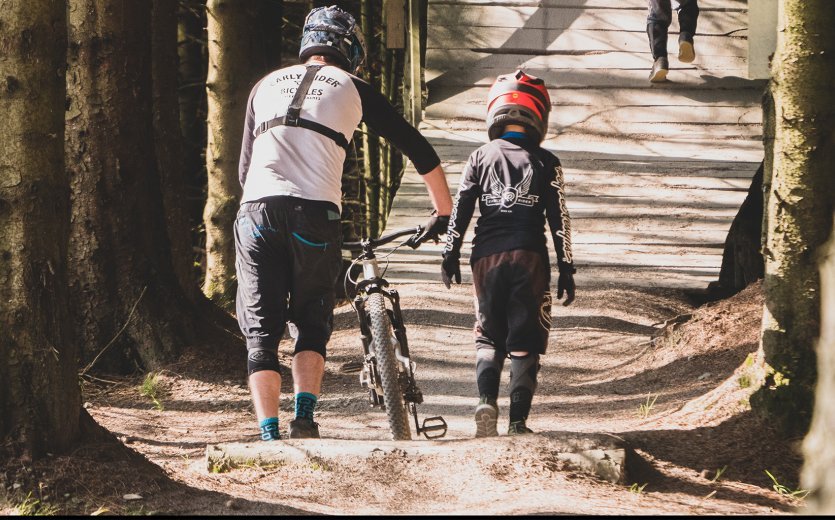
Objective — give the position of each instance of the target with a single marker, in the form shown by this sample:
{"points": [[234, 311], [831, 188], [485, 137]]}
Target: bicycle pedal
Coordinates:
{"points": [[351, 367], [439, 425]]}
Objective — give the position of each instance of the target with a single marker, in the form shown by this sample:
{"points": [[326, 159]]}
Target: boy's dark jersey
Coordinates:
{"points": [[517, 185]]}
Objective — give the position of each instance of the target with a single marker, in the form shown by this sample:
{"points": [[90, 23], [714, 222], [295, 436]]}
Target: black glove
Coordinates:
{"points": [[565, 285], [450, 269], [435, 226]]}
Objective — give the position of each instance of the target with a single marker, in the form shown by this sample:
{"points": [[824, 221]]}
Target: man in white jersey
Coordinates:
{"points": [[299, 122]]}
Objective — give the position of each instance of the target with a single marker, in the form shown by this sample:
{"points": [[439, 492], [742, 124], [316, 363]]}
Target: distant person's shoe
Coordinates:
{"points": [[486, 417], [659, 70], [686, 51], [302, 428], [518, 428]]}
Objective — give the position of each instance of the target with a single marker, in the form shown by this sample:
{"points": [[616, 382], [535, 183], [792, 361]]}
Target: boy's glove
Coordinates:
{"points": [[450, 268], [435, 226], [565, 285]]}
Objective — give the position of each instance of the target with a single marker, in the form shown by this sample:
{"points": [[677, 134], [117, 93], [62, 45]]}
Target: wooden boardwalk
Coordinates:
{"points": [[654, 172]]}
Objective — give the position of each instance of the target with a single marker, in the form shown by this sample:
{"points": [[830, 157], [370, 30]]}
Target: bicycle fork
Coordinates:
{"points": [[432, 427]]}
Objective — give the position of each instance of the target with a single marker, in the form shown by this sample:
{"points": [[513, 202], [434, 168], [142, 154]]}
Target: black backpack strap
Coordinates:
{"points": [[292, 118]]}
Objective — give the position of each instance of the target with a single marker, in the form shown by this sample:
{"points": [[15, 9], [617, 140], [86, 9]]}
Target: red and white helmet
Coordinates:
{"points": [[519, 99]]}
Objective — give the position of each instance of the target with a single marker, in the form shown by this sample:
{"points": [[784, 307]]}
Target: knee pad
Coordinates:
{"points": [[523, 371], [259, 359], [488, 367]]}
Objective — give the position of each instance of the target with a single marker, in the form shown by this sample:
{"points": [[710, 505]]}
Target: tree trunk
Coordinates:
{"points": [[799, 208], [819, 467], [742, 260], [236, 58], [193, 58], [128, 304], [168, 142], [40, 400]]}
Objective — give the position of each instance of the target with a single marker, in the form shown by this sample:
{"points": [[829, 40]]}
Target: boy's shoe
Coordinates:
{"points": [[686, 51], [302, 428], [486, 417], [518, 428], [659, 70]]}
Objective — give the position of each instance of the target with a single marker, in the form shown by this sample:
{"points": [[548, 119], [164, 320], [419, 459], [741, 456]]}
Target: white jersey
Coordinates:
{"points": [[295, 161]]}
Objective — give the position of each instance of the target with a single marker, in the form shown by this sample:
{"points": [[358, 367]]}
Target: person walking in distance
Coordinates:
{"points": [[299, 121], [658, 24], [518, 185]]}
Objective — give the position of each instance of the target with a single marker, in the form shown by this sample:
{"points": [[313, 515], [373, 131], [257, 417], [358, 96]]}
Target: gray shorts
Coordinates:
{"points": [[288, 258]]}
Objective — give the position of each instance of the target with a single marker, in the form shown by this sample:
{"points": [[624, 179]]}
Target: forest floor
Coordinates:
{"points": [[700, 450]]}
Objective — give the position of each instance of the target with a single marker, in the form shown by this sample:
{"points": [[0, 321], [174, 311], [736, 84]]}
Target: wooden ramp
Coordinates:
{"points": [[654, 172]]}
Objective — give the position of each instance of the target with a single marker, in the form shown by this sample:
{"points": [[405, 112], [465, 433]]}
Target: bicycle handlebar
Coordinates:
{"points": [[385, 239]]}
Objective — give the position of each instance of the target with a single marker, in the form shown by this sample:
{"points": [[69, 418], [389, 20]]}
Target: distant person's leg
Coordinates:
{"points": [[658, 24], [688, 15]]}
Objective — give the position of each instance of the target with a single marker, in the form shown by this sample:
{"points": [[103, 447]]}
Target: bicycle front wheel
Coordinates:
{"points": [[383, 338]]}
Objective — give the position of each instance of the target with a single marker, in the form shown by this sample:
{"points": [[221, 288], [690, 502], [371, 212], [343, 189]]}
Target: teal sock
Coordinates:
{"points": [[269, 429], [305, 405]]}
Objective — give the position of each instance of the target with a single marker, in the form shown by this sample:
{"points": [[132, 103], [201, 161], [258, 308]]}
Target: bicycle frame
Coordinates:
{"points": [[373, 282]]}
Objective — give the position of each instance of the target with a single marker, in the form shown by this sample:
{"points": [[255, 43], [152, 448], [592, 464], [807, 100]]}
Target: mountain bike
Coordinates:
{"points": [[386, 371]]}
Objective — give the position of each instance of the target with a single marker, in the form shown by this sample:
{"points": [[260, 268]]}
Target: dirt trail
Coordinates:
{"points": [[602, 364]]}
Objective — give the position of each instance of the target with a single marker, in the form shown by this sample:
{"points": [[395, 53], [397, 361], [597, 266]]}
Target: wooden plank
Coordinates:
{"points": [[394, 14], [555, 18], [440, 60], [639, 129], [711, 93], [575, 115], [541, 41], [454, 137], [645, 173], [680, 76], [677, 194], [678, 204], [588, 277], [704, 5]]}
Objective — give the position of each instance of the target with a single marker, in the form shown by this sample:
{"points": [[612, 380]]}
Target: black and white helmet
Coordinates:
{"points": [[330, 31]]}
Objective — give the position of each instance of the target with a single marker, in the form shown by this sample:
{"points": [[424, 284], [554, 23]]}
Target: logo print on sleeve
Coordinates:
{"points": [[452, 233], [565, 233]]}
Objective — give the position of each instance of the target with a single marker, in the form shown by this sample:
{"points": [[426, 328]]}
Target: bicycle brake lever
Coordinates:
{"points": [[413, 240]]}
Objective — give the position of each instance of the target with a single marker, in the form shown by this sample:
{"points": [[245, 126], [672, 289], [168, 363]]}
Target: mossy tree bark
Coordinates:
{"points": [[819, 450], [799, 208], [237, 59], [128, 305], [40, 400]]}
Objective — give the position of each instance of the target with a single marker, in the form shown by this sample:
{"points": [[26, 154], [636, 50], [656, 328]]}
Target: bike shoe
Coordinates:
{"points": [[518, 428], [302, 428], [486, 416]]}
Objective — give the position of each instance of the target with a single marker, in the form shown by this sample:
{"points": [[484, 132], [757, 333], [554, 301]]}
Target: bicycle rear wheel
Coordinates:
{"points": [[382, 337]]}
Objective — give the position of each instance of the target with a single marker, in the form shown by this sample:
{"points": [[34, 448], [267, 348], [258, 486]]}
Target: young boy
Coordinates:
{"points": [[518, 185]]}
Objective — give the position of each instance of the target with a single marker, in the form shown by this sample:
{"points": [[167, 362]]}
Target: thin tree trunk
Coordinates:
{"points": [[129, 308], [799, 208], [819, 466], [168, 142], [193, 58], [235, 60], [40, 400]]}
